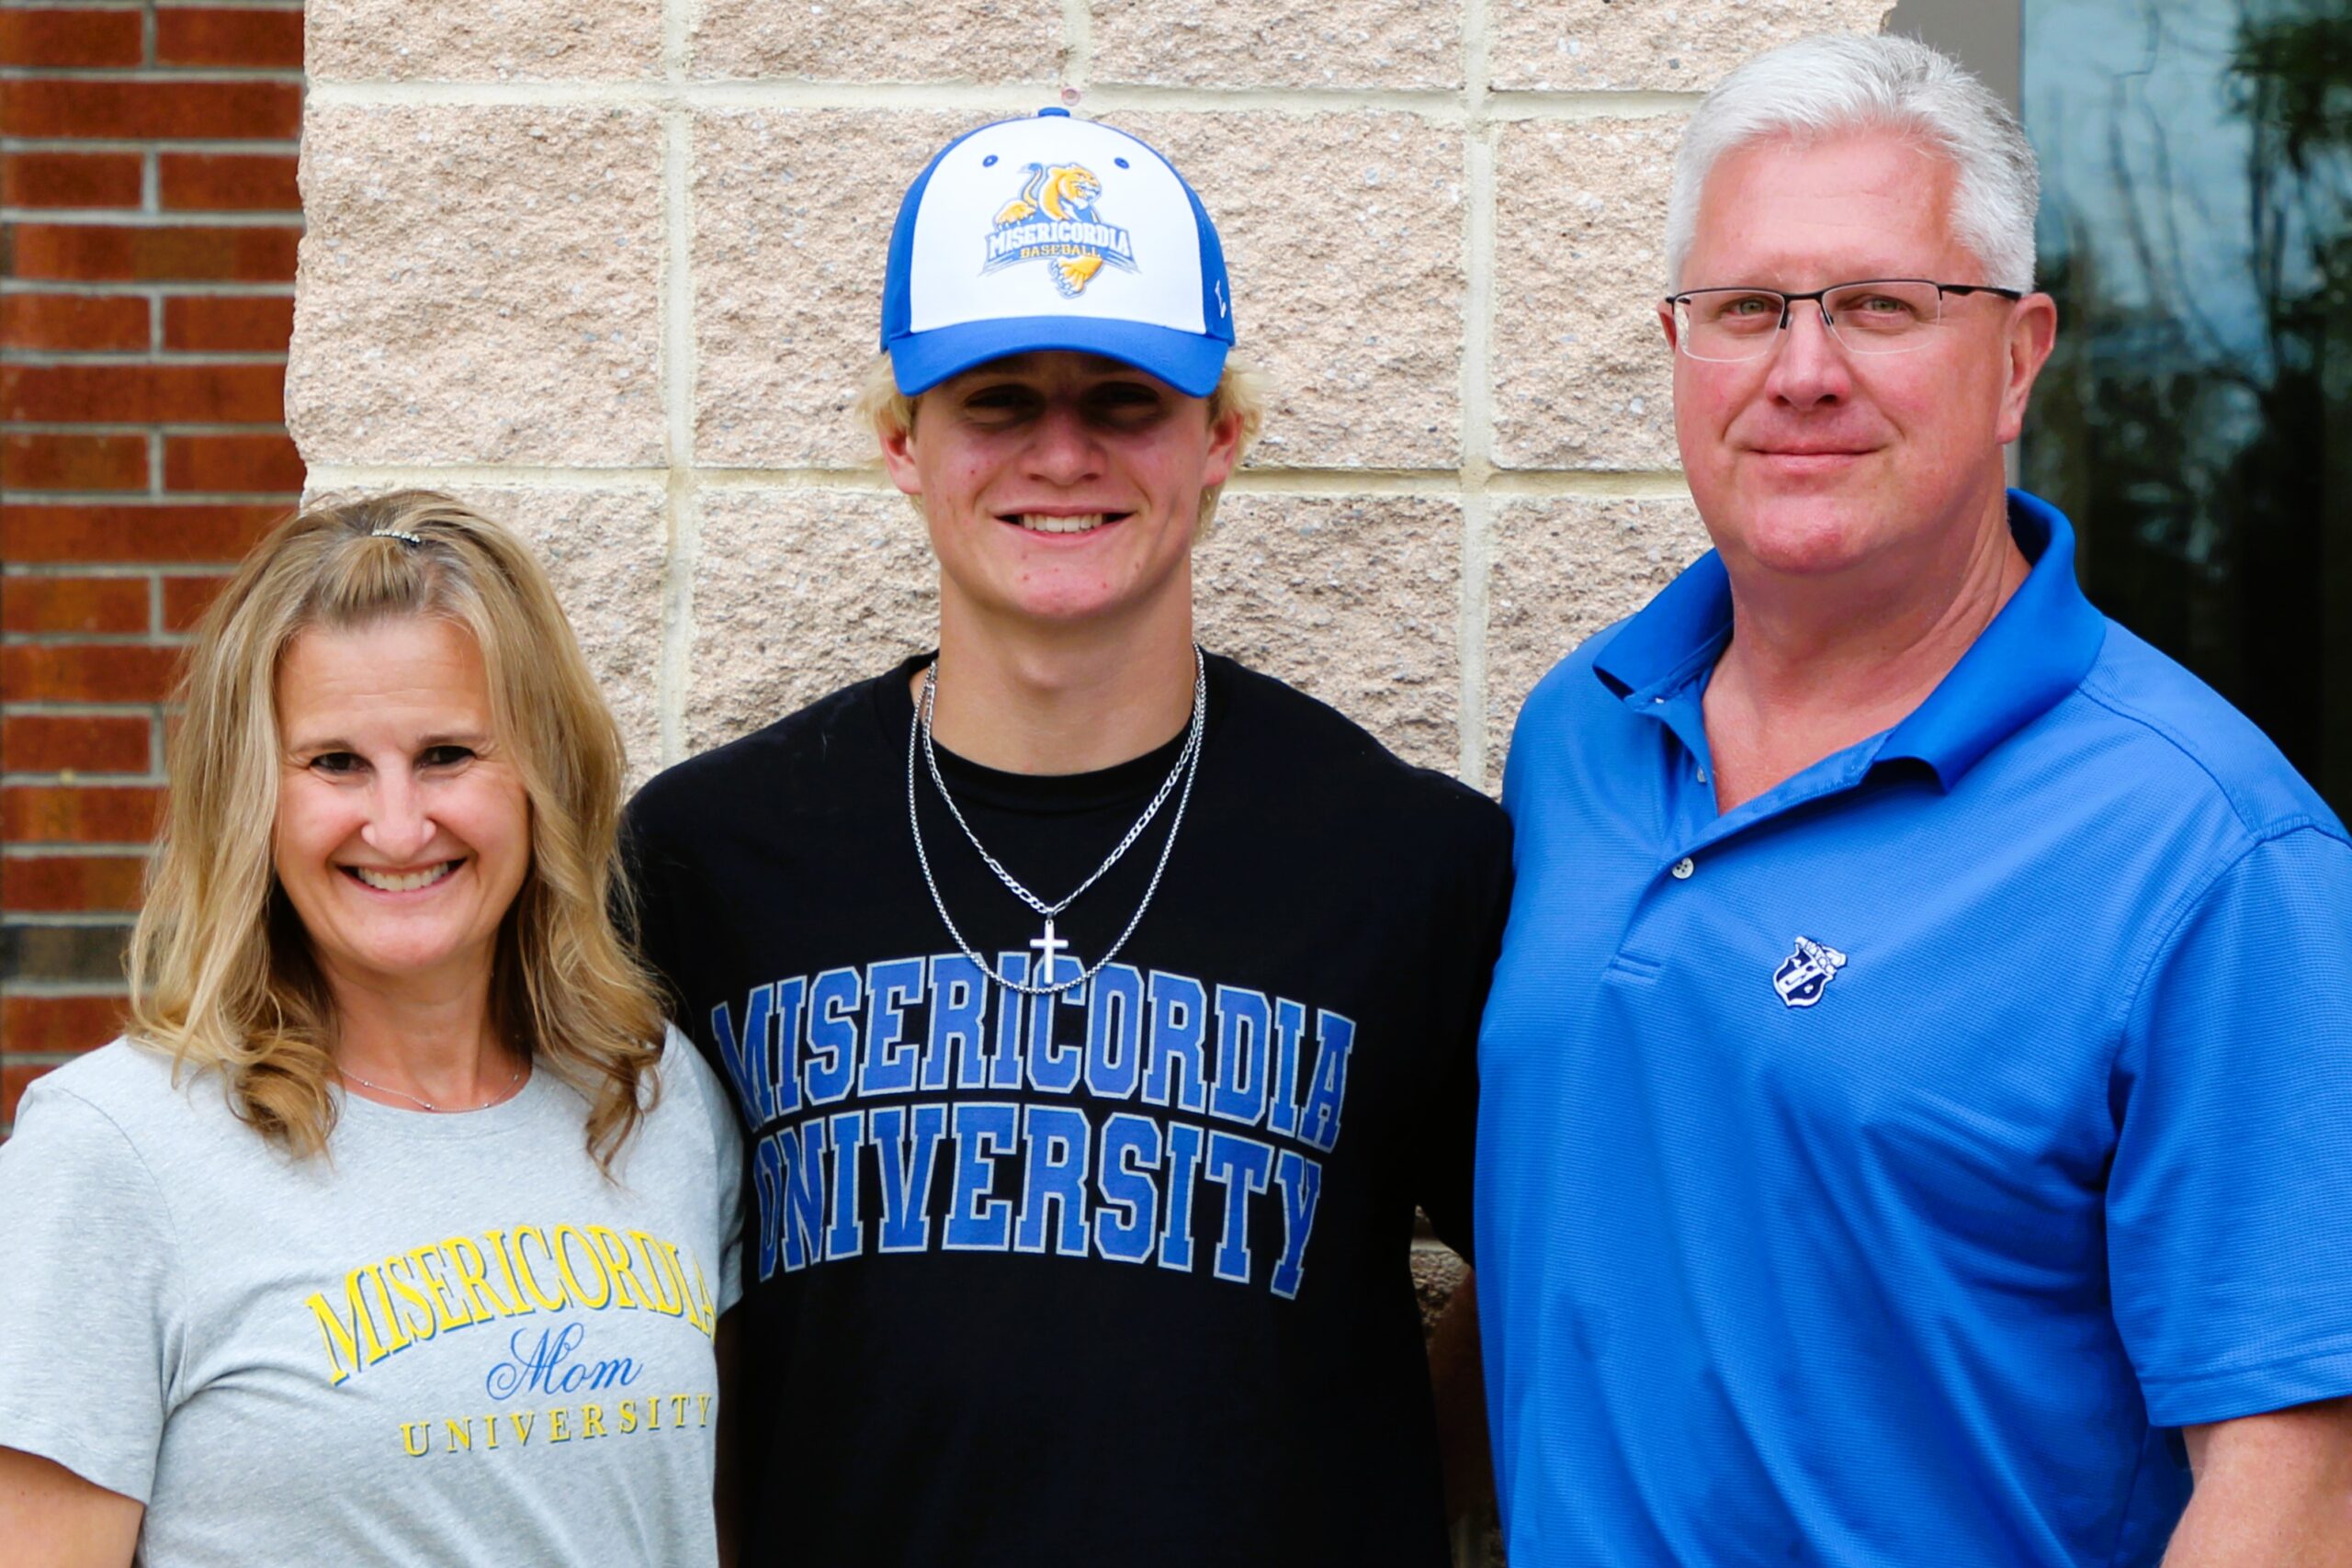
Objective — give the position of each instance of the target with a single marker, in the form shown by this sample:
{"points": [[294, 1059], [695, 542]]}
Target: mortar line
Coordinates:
{"points": [[83, 779], [105, 569], [73, 638], [37, 708], [677, 33], [678, 511], [1508, 104], [122, 288], [153, 495], [1441, 483], [146, 218], [679, 94], [192, 75], [1078, 49], [276, 146], [338, 475], [683, 514], [69, 920], [52, 357], [1477, 395], [1608, 484], [1437, 106], [121, 428]]}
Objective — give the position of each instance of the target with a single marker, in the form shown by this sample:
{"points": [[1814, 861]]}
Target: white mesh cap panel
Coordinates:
{"points": [[1141, 208]]}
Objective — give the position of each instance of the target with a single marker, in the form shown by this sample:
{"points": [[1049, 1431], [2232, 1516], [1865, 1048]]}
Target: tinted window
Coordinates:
{"points": [[2196, 231]]}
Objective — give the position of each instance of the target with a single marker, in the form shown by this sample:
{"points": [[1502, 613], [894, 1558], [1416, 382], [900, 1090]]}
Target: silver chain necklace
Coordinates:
{"points": [[504, 1091], [1049, 946]]}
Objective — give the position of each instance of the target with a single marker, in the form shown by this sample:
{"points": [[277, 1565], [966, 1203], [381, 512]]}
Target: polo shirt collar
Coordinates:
{"points": [[2036, 649], [1671, 640]]}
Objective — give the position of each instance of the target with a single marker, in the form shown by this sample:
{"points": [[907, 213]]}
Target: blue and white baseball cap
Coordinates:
{"points": [[1054, 232]]}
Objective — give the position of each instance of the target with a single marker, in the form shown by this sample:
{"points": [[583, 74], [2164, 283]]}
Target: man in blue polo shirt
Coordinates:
{"points": [[1917, 1084]]}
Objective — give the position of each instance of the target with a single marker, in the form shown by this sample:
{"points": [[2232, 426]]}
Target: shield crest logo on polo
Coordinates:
{"points": [[1806, 973]]}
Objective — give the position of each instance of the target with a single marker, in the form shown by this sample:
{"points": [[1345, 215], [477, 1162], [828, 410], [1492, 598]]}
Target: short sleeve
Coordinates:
{"points": [[1468, 939], [2230, 1199], [689, 1073], [85, 1257]]}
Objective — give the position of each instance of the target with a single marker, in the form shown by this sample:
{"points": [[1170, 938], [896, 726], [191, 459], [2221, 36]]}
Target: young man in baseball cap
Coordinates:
{"points": [[1099, 1009]]}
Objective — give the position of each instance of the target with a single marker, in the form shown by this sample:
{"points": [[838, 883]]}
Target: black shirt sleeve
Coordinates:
{"points": [[644, 908]]}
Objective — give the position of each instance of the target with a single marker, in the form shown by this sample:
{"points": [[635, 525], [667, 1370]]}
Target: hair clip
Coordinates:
{"points": [[406, 538]]}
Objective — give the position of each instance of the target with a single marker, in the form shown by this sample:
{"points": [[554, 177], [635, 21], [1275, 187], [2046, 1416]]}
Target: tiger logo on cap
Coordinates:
{"points": [[1053, 220]]}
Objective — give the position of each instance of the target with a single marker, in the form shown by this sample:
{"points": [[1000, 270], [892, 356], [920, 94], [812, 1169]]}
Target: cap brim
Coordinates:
{"points": [[1189, 362]]}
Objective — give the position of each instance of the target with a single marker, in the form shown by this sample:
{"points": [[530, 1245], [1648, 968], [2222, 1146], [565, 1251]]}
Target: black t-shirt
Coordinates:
{"points": [[1121, 1277]]}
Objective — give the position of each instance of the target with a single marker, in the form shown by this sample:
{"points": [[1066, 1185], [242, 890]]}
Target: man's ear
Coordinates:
{"points": [[2033, 331], [898, 443], [1224, 448]]}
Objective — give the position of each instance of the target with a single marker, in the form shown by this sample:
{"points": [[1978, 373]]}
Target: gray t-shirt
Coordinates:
{"points": [[452, 1340]]}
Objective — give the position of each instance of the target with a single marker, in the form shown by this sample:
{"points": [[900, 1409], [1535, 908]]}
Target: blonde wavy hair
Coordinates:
{"points": [[222, 975], [880, 408]]}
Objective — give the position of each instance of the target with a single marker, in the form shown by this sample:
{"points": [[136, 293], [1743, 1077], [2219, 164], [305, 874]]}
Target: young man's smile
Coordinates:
{"points": [[1061, 486]]}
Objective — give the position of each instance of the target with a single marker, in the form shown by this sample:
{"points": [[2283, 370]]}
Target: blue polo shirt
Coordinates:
{"points": [[1876, 1173]]}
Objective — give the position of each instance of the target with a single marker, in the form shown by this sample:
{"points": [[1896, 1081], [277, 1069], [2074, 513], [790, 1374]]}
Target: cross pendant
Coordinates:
{"points": [[1050, 948]]}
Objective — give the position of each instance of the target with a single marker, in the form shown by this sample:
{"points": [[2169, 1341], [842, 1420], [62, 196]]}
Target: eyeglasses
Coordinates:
{"points": [[1877, 315]]}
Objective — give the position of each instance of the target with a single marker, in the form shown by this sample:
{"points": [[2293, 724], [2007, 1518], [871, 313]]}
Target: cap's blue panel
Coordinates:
{"points": [[1216, 292]]}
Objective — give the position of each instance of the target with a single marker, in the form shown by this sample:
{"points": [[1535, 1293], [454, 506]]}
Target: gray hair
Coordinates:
{"points": [[1819, 87]]}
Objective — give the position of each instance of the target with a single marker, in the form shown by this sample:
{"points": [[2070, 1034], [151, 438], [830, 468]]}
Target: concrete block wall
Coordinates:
{"points": [[148, 224], [615, 268]]}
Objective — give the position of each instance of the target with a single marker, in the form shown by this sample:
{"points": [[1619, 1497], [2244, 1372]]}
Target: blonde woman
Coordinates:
{"points": [[393, 1231]]}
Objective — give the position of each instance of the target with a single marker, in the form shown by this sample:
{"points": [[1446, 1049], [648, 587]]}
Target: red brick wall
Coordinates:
{"points": [[146, 292]]}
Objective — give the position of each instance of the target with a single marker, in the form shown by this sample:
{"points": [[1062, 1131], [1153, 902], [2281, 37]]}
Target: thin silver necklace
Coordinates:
{"points": [[1049, 946], [505, 1090]]}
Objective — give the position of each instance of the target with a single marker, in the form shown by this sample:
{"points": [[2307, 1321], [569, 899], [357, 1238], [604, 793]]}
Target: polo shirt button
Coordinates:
{"points": [[1703, 776], [1683, 868]]}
